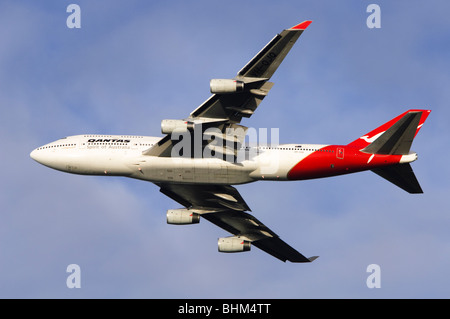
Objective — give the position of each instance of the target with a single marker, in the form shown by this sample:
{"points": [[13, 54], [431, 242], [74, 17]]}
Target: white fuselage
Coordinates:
{"points": [[122, 155]]}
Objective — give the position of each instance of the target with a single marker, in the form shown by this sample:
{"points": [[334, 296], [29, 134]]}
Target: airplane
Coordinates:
{"points": [[200, 158]]}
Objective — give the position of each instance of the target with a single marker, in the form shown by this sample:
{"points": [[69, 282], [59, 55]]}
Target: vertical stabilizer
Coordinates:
{"points": [[401, 129], [395, 138]]}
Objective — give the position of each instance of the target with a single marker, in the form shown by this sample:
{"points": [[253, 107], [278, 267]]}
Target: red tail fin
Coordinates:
{"points": [[370, 137]]}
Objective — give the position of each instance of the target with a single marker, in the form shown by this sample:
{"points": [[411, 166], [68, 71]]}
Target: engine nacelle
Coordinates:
{"points": [[233, 245], [170, 126], [224, 86], [182, 216]]}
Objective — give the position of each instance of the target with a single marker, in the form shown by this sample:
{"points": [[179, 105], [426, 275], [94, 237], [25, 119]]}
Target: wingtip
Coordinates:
{"points": [[311, 259], [301, 26]]}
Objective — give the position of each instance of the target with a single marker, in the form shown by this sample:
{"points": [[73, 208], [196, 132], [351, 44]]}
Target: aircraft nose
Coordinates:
{"points": [[40, 156], [34, 155], [48, 156]]}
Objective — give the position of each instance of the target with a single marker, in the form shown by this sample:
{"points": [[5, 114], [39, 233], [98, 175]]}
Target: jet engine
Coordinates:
{"points": [[182, 216], [233, 245], [224, 86], [170, 126]]}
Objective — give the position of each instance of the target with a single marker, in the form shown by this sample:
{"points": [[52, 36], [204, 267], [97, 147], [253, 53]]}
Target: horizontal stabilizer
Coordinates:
{"points": [[401, 175]]}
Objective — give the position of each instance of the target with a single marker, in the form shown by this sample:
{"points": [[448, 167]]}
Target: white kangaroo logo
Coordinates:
{"points": [[373, 138]]}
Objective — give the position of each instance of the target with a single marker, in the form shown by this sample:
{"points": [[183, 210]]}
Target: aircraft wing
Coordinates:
{"points": [[223, 206], [254, 75], [227, 106]]}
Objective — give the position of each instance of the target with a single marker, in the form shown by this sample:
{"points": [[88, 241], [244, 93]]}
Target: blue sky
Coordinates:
{"points": [[134, 63]]}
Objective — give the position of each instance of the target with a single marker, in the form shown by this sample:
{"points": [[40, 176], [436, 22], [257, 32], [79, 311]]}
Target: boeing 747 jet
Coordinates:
{"points": [[199, 158]]}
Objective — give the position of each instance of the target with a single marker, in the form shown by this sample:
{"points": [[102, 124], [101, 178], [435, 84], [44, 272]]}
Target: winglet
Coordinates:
{"points": [[301, 26], [313, 258]]}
